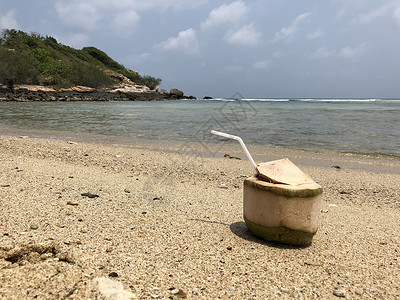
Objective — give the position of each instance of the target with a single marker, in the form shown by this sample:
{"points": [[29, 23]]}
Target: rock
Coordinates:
{"points": [[339, 293], [127, 191], [89, 195], [176, 92], [163, 92], [178, 292], [231, 157], [111, 289], [344, 193], [284, 290], [82, 89], [34, 227], [208, 98], [72, 203], [130, 88], [113, 274]]}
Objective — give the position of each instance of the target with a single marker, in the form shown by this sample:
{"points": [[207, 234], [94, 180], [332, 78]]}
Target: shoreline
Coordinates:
{"points": [[27, 95], [162, 223], [384, 163]]}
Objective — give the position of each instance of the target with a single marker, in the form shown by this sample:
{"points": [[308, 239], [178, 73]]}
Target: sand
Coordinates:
{"points": [[164, 227]]}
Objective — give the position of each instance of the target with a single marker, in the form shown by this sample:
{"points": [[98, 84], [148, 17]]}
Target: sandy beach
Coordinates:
{"points": [[166, 222]]}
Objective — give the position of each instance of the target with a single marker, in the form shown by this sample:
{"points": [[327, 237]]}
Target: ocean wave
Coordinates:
{"points": [[335, 100], [317, 100], [250, 99], [267, 100]]}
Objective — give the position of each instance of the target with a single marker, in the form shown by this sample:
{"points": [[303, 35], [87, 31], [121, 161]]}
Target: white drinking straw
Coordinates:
{"points": [[234, 137]]}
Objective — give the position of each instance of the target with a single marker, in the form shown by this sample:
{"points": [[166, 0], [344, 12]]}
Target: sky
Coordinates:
{"points": [[258, 48]]}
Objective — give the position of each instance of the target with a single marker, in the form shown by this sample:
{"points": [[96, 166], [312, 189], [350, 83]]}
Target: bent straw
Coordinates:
{"points": [[234, 137]]}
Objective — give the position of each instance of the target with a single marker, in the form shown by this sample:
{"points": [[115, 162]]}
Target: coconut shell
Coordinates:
{"points": [[283, 171]]}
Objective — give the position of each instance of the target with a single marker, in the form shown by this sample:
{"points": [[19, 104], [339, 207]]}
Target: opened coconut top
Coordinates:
{"points": [[283, 171]]}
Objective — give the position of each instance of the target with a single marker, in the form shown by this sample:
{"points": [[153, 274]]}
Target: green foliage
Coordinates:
{"points": [[150, 82], [33, 59], [7, 67], [104, 58], [107, 61]]}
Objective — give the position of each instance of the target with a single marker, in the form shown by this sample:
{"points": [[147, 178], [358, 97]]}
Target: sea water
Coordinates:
{"points": [[370, 126]]}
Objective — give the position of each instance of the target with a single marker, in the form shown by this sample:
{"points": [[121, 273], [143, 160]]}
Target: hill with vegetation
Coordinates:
{"points": [[37, 60]]}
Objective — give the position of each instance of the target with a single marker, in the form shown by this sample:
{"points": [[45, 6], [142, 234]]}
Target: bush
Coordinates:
{"points": [[7, 66], [150, 82], [104, 58], [91, 76]]}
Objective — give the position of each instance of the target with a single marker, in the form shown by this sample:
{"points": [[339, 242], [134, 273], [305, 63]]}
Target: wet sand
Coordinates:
{"points": [[163, 227]]}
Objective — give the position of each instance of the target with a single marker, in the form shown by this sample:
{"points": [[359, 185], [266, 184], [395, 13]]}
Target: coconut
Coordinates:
{"points": [[283, 171]]}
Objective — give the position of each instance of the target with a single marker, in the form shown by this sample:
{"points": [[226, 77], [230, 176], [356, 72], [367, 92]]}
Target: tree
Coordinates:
{"points": [[7, 67]]}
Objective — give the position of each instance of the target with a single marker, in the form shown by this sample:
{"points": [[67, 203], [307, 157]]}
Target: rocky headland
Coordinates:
{"points": [[27, 93], [38, 68]]}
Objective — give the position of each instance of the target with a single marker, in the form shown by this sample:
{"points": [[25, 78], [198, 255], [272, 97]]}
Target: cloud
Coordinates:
{"points": [[346, 52], [372, 15], [136, 59], [122, 14], [341, 13], [233, 68], [230, 13], [246, 36], [144, 56], [126, 19], [396, 15], [323, 52], [262, 64], [186, 42], [77, 40], [9, 21], [141, 5], [315, 34], [352, 52], [287, 33], [78, 14], [390, 9]]}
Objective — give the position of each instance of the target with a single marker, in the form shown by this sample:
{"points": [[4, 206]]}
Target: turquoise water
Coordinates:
{"points": [[345, 125]]}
